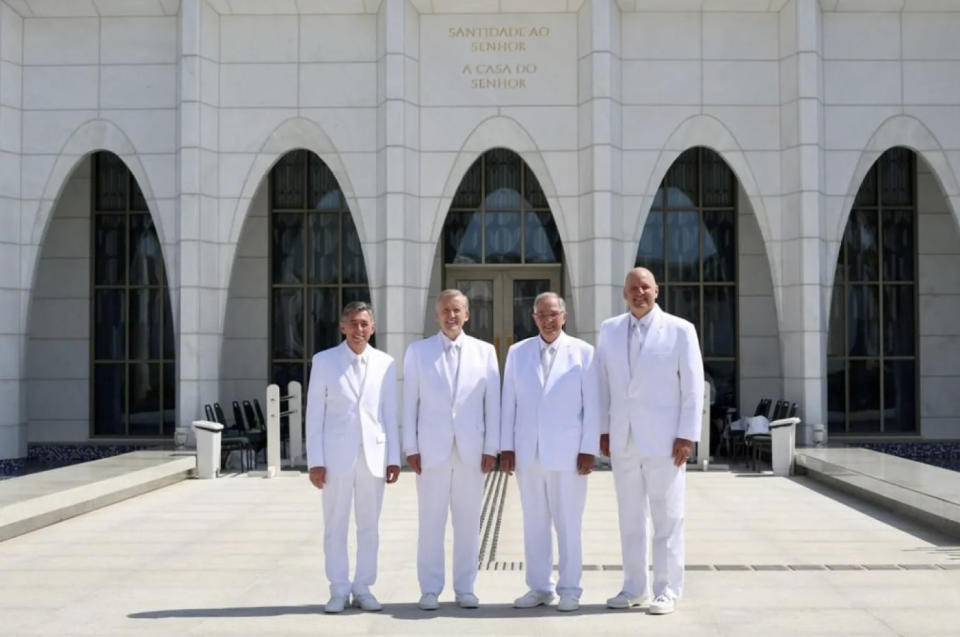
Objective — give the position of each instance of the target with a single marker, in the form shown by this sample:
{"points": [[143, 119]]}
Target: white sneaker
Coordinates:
{"points": [[568, 603], [625, 600], [428, 601], [532, 599], [336, 604], [467, 600], [367, 602], [662, 605]]}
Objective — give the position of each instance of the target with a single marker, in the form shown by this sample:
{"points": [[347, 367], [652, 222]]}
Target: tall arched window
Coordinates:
{"points": [[872, 345], [689, 242], [316, 263], [133, 346]]}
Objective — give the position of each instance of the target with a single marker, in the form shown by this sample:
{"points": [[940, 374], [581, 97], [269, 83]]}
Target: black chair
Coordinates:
{"points": [[232, 438], [208, 410], [261, 421], [256, 433]]}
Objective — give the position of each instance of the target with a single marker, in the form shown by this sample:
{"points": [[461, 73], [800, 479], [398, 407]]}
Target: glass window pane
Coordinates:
{"points": [[468, 193], [896, 177], [899, 396], [324, 318], [480, 294], [502, 237], [146, 260], [836, 395], [719, 246], [463, 238], [650, 250], [683, 245], [288, 181], [718, 180], [867, 195], [860, 242], [864, 396], [324, 247], [287, 324], [659, 198], [863, 320], [524, 292], [108, 331], [137, 201], [287, 248], [532, 193], [110, 243], [324, 189], [541, 239], [283, 373], [836, 336], [145, 416], [502, 175], [169, 398], [719, 321], [682, 181], [112, 176], [723, 375], [684, 301], [355, 293], [354, 270], [898, 325], [169, 338], [108, 404], [898, 248], [144, 324]]}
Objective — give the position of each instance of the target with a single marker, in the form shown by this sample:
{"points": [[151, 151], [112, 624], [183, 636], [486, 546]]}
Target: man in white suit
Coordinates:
{"points": [[651, 395], [549, 433], [352, 449], [451, 432]]}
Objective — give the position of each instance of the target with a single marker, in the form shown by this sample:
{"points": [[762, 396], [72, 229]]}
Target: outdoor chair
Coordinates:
{"points": [[232, 438]]}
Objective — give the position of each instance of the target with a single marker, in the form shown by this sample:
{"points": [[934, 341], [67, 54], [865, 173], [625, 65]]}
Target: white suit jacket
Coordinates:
{"points": [[433, 417], [555, 420], [664, 400], [340, 416]]}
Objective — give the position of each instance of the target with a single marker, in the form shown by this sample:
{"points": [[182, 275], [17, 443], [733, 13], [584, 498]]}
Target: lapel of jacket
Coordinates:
{"points": [[347, 357], [559, 362], [653, 335]]}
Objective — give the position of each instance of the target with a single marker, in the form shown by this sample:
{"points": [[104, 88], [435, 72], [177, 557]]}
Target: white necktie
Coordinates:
{"points": [[546, 361], [452, 364], [357, 369], [636, 343]]}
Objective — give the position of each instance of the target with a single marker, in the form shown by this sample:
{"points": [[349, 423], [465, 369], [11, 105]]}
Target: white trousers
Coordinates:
{"points": [[557, 497], [366, 492], [650, 485], [456, 487]]}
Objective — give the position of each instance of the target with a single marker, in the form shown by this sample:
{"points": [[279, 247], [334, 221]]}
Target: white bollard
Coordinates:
{"points": [[273, 430], [295, 421], [702, 458]]}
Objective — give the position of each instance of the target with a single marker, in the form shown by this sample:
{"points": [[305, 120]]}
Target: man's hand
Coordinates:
{"points": [[393, 473], [584, 463], [413, 461], [318, 476], [681, 451], [487, 462], [508, 462], [605, 444]]}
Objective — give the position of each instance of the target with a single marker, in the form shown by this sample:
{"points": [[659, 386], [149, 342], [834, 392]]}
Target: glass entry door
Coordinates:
{"points": [[501, 300]]}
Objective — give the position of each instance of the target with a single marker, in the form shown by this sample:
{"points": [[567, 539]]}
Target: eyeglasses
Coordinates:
{"points": [[551, 315]]}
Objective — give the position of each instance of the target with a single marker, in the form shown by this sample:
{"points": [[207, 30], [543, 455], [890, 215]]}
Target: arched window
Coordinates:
{"points": [[689, 242], [872, 345], [132, 340], [316, 263]]}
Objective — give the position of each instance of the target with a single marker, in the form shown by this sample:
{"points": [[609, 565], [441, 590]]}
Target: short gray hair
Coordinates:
{"points": [[453, 292], [549, 295], [353, 307]]}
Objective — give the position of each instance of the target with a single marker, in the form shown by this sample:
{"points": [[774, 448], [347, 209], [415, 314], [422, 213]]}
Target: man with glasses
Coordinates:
{"points": [[549, 433]]}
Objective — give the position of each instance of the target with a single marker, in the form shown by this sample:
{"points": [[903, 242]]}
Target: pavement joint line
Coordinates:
{"points": [[494, 565]]}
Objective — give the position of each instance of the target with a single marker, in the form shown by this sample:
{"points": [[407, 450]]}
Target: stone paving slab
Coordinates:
{"points": [[243, 555]]}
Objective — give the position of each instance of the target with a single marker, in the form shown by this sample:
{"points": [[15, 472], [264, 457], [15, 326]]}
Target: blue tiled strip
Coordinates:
{"points": [[49, 456]]}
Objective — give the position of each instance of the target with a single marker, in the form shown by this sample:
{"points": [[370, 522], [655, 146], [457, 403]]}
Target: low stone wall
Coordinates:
{"points": [[944, 454], [42, 456]]}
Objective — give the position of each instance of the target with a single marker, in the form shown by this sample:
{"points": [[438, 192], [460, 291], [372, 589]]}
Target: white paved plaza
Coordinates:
{"points": [[242, 555]]}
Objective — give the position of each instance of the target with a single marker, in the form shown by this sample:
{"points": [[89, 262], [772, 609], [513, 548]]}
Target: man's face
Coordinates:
{"points": [[358, 328], [640, 291], [549, 318], [452, 313]]}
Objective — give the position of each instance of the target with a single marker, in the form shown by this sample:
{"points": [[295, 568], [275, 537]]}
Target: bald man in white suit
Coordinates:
{"points": [[549, 432], [451, 437], [651, 395]]}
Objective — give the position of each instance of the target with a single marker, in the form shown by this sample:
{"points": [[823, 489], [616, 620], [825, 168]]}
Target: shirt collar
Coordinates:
{"points": [[447, 343], [644, 322], [362, 357], [551, 346]]}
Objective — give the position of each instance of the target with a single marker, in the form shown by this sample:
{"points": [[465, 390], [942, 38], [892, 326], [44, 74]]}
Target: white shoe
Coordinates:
{"points": [[367, 602], [625, 600], [467, 600], [568, 603], [662, 605], [428, 601], [336, 604], [532, 599]]}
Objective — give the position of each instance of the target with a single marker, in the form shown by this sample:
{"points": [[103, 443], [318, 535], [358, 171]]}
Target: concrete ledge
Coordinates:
{"points": [[920, 491], [33, 501]]}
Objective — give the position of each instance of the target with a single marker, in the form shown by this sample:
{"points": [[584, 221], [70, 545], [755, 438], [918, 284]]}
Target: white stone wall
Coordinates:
{"points": [[58, 335]]}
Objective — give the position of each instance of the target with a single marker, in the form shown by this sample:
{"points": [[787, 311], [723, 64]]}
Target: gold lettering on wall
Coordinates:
{"points": [[513, 41]]}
